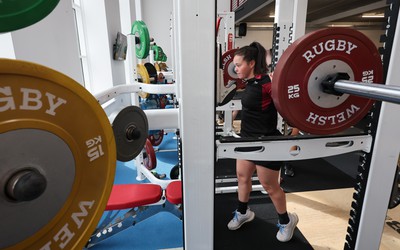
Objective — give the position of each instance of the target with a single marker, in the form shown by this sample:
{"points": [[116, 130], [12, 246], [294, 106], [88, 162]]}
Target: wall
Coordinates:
{"points": [[223, 5], [113, 27], [6, 46], [374, 35], [51, 42], [159, 22], [264, 36]]}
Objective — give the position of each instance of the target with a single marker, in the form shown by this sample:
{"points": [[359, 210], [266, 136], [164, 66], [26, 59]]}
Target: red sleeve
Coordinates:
{"points": [[266, 95]]}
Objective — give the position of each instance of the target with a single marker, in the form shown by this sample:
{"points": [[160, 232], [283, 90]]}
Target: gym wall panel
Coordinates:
{"points": [[159, 22], [118, 19], [51, 42], [223, 5], [97, 45], [113, 27], [127, 16], [262, 36], [248, 8], [6, 46], [265, 37], [374, 35]]}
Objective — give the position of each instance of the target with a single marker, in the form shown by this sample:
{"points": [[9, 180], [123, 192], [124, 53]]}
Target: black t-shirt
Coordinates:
{"points": [[259, 116]]}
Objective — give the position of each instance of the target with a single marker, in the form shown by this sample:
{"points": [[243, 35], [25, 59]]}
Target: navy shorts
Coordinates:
{"points": [[273, 165]]}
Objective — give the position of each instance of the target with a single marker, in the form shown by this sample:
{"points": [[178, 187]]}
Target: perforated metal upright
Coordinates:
{"points": [[283, 26], [195, 54], [383, 162], [289, 24], [226, 32], [195, 75]]}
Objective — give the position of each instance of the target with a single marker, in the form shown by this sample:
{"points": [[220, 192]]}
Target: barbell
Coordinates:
{"points": [[328, 80]]}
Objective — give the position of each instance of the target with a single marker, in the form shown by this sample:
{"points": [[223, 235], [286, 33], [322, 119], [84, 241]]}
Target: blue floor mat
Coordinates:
{"points": [[161, 231]]}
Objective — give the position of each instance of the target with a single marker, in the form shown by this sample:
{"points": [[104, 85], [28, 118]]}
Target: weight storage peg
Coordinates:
{"points": [[25, 185], [328, 85]]}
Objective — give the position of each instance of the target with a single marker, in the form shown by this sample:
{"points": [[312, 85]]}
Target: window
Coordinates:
{"points": [[76, 5]]}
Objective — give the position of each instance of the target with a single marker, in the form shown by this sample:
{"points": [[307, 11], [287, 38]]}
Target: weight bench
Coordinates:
{"points": [[142, 200]]}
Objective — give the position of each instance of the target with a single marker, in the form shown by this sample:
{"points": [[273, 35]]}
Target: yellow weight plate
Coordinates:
{"points": [[143, 76], [51, 125], [157, 66]]}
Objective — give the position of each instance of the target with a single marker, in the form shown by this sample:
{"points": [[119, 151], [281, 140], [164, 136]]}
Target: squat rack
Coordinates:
{"points": [[196, 20]]}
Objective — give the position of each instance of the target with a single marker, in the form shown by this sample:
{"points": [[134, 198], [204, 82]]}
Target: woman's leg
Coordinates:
{"points": [[269, 179], [244, 172]]}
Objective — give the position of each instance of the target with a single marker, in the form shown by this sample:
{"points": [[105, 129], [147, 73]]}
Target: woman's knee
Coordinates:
{"points": [[245, 169], [271, 188], [243, 177]]}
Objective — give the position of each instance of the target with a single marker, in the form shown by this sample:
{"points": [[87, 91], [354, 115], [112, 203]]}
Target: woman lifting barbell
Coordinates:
{"points": [[259, 118]]}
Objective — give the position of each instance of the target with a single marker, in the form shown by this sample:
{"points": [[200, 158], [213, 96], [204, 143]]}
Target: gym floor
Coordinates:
{"points": [[320, 193], [162, 230]]}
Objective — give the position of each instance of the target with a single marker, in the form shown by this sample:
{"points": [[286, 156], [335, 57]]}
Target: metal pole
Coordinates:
{"points": [[380, 92]]}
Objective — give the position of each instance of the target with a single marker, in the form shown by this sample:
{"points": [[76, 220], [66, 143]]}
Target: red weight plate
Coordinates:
{"points": [[230, 41], [161, 78], [228, 67], [218, 23], [229, 70], [156, 137], [296, 85], [149, 160], [163, 101]]}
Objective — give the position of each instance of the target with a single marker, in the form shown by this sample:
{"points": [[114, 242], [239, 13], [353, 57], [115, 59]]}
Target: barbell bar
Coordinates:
{"points": [[379, 92]]}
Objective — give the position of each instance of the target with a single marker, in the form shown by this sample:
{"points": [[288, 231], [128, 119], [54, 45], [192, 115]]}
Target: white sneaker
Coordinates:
{"points": [[239, 219], [285, 232]]}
